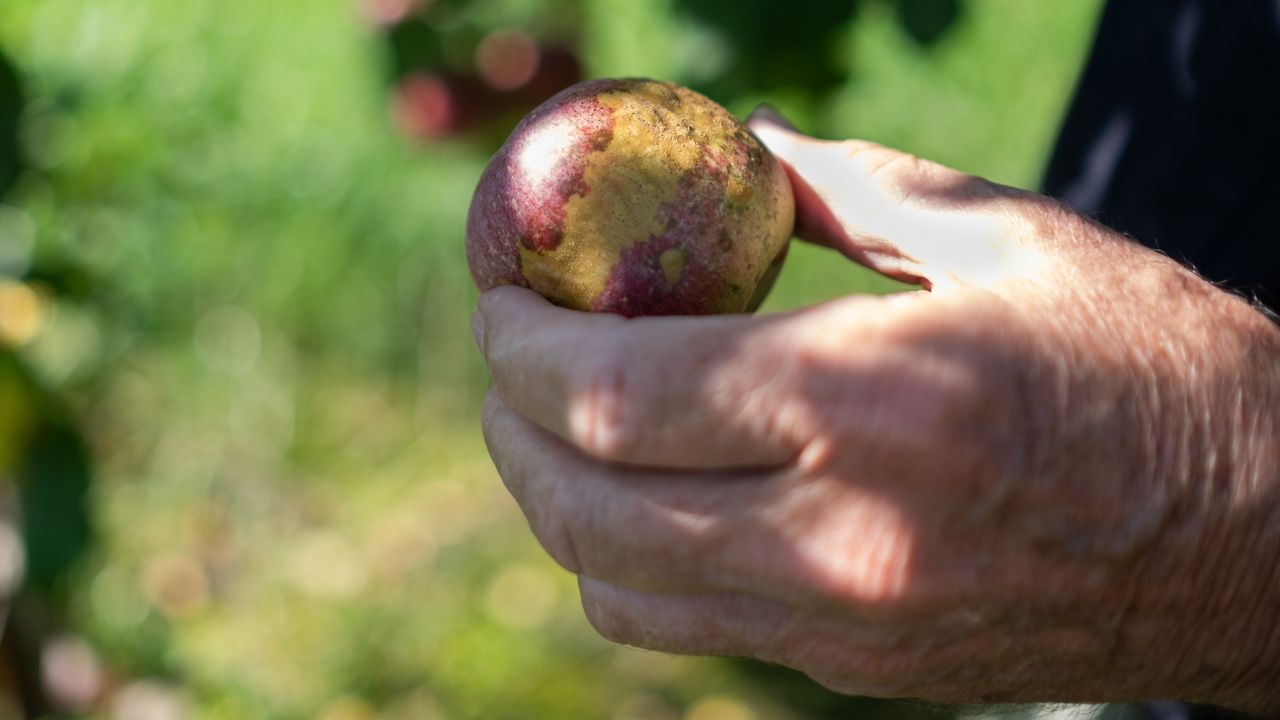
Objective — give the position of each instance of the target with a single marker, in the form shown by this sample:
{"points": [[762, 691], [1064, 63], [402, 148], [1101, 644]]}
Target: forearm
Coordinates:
{"points": [[1164, 452], [1221, 573], [1248, 596]]}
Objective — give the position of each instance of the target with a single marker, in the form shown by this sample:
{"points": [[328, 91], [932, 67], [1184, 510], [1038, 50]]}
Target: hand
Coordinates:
{"points": [[1052, 475]]}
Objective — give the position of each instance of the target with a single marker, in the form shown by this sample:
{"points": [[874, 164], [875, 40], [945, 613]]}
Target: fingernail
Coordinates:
{"points": [[477, 330], [766, 113]]}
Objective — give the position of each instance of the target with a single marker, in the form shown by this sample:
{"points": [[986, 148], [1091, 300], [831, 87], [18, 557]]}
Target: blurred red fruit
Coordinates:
{"points": [[507, 59], [513, 76], [558, 68], [436, 106], [385, 13]]}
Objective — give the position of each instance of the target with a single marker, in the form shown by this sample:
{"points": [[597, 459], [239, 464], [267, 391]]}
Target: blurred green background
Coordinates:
{"points": [[240, 468]]}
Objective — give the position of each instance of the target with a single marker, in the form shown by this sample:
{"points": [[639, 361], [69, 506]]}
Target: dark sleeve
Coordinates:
{"points": [[1174, 135]]}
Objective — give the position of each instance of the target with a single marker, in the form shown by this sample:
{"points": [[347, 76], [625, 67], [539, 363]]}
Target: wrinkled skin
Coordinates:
{"points": [[632, 197], [1054, 476]]}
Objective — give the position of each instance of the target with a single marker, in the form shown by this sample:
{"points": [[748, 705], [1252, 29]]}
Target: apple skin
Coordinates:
{"points": [[633, 197]]}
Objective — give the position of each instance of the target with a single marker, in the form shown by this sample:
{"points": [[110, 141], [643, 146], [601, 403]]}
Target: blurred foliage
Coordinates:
{"points": [[11, 103], [53, 485], [767, 45], [226, 265]]}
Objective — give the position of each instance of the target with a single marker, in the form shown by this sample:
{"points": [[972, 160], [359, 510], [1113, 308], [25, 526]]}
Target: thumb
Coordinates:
{"points": [[907, 218]]}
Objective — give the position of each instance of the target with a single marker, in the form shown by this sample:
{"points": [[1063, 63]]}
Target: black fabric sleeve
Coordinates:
{"points": [[1174, 135]]}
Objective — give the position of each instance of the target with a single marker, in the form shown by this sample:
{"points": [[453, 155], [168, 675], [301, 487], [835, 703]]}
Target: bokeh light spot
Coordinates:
{"points": [[21, 313], [386, 12], [348, 708], [645, 707], [653, 667], [263, 416], [507, 59], [417, 705], [720, 707], [12, 560], [228, 340], [175, 584], [453, 510], [422, 105], [71, 673], [70, 341], [17, 238], [149, 700], [325, 564], [400, 543], [521, 596], [116, 599]]}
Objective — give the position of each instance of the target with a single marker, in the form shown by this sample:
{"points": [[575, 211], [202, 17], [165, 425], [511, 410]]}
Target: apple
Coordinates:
{"points": [[635, 197]]}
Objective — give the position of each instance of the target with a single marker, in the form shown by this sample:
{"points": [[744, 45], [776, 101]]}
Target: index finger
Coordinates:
{"points": [[900, 215], [661, 391]]}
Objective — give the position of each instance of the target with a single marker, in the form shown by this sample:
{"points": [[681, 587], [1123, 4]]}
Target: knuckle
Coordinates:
{"points": [[489, 415], [605, 408], [608, 621], [860, 662], [874, 577], [494, 425], [854, 554], [909, 178], [554, 521], [876, 162], [559, 543], [880, 163], [860, 150], [879, 674], [893, 672], [862, 556], [971, 417], [979, 400], [755, 627], [992, 433]]}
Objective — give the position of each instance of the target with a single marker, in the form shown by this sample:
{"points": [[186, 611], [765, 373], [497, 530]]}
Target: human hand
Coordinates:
{"points": [[1052, 476]]}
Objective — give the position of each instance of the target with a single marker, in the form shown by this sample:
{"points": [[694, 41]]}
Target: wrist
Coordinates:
{"points": [[1232, 508], [1257, 553], [1202, 402]]}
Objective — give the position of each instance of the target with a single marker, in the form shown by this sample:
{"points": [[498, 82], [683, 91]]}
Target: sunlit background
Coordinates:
{"points": [[240, 468]]}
